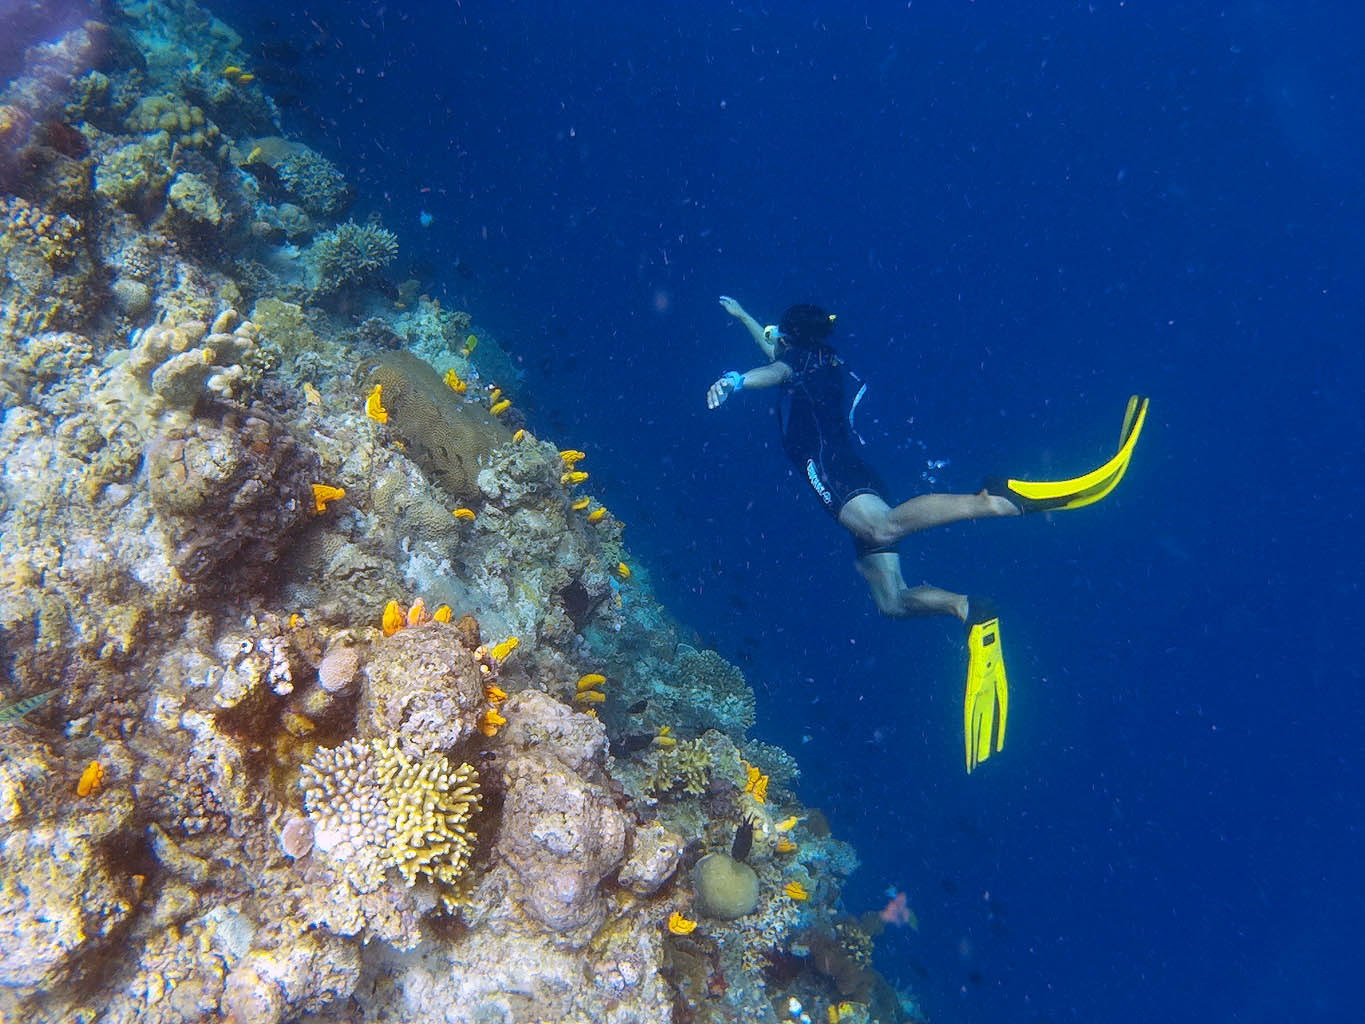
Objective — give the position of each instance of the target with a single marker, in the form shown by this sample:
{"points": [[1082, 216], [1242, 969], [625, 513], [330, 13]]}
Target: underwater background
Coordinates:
{"points": [[1020, 216]]}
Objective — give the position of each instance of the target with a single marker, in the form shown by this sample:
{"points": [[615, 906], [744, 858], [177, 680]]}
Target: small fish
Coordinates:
{"points": [[744, 840], [311, 394], [635, 741], [20, 708], [638, 706], [425, 219], [470, 344]]}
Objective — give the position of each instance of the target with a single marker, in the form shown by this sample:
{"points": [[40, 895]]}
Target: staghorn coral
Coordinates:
{"points": [[448, 438], [350, 254], [374, 809]]}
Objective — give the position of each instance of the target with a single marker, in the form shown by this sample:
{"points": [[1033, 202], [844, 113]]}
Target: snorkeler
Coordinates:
{"points": [[816, 417]]}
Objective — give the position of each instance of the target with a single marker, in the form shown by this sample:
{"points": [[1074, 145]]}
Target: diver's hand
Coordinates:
{"points": [[718, 392], [731, 306]]}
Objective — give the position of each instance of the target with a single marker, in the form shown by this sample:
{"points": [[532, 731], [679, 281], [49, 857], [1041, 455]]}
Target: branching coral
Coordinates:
{"points": [[351, 253], [299, 173], [373, 809], [688, 764], [705, 692]]}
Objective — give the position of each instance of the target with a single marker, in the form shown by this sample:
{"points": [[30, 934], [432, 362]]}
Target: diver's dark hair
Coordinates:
{"points": [[806, 326]]}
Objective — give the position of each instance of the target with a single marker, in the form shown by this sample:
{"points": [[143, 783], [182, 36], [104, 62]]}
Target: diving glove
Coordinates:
{"points": [[986, 703]]}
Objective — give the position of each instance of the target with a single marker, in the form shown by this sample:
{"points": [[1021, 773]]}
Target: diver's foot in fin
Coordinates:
{"points": [[999, 487], [1045, 495], [985, 705]]}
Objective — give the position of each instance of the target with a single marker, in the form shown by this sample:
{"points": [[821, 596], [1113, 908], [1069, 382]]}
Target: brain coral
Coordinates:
{"points": [[444, 435], [373, 809]]}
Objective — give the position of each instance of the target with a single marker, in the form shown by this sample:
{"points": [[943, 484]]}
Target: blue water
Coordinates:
{"points": [[1020, 216]]}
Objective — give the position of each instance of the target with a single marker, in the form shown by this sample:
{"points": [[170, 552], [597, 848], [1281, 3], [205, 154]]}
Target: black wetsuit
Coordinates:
{"points": [[815, 412]]}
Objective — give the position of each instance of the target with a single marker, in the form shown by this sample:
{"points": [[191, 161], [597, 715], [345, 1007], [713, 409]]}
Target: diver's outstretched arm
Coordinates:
{"points": [[762, 377], [755, 329]]}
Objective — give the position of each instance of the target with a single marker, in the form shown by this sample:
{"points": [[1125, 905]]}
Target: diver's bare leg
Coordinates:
{"points": [[882, 570], [869, 517]]}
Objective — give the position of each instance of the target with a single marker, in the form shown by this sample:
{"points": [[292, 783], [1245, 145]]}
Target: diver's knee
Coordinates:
{"points": [[881, 534]]}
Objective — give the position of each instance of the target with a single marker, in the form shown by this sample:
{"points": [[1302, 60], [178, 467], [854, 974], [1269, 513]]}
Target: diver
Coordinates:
{"points": [[817, 399]]}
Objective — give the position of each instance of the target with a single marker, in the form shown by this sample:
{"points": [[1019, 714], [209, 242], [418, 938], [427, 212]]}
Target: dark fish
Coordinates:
{"points": [[638, 706], [636, 741], [744, 840]]}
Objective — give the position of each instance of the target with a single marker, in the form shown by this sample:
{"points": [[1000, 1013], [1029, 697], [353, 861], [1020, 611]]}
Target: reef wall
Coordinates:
{"points": [[329, 692]]}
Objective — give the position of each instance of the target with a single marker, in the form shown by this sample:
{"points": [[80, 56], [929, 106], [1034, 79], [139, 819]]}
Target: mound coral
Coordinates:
{"points": [[423, 687], [373, 809]]}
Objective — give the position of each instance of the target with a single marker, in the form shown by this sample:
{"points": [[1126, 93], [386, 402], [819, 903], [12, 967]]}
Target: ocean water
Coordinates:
{"points": [[1020, 216]]}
